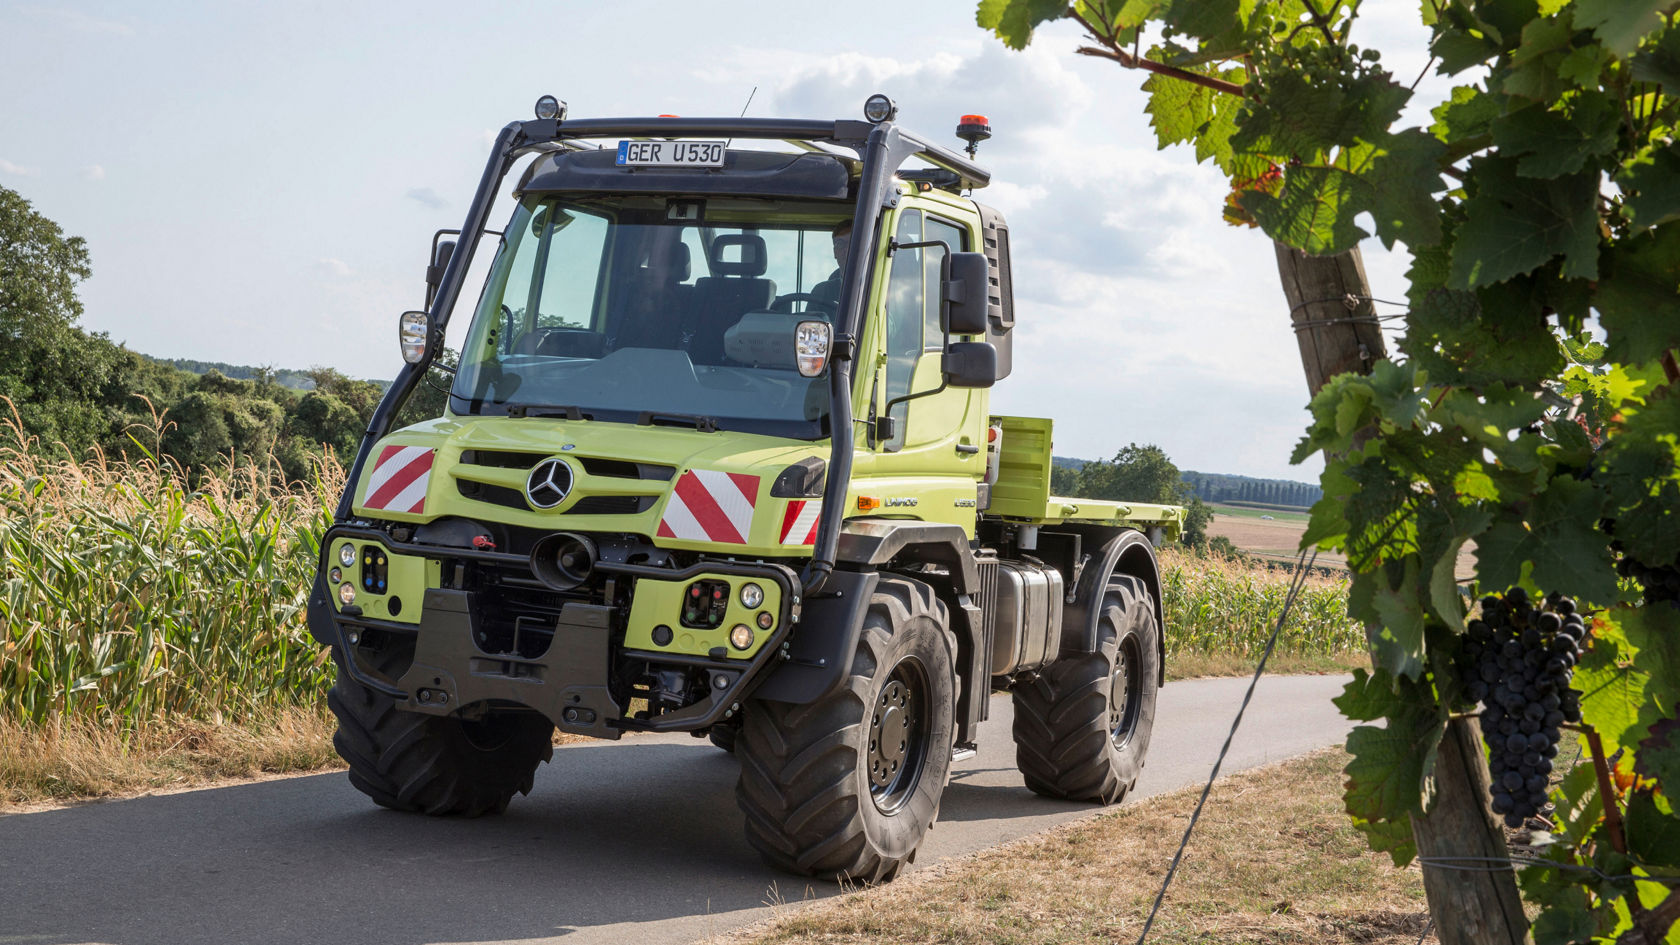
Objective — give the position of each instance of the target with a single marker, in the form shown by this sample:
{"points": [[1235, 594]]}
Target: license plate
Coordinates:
{"points": [[670, 153]]}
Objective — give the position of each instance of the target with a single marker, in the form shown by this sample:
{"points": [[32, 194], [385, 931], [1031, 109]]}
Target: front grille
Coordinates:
{"points": [[501, 459], [588, 505]]}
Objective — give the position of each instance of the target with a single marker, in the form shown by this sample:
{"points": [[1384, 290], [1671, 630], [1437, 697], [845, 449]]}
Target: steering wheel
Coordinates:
{"points": [[813, 303]]}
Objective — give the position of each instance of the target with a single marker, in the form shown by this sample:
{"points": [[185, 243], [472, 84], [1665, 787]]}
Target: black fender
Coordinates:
{"points": [[1124, 551], [827, 634]]}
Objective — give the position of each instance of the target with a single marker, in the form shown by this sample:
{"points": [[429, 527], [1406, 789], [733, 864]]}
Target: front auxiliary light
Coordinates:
{"points": [[346, 594], [740, 636], [346, 554], [751, 596]]}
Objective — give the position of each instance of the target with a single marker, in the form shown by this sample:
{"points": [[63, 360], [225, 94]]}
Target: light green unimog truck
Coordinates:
{"points": [[718, 458]]}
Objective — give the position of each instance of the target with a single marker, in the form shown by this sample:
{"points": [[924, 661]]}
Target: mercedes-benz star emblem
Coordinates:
{"points": [[548, 484]]}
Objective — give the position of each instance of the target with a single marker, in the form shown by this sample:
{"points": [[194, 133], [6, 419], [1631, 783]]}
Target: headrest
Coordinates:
{"points": [[676, 264], [754, 259]]}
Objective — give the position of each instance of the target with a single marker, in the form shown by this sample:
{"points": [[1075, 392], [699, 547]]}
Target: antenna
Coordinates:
{"points": [[743, 114]]}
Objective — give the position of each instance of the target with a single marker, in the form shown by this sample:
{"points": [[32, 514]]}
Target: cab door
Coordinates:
{"points": [[929, 467]]}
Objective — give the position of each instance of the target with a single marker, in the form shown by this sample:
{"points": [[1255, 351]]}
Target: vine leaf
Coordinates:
{"points": [[1013, 20], [1400, 177], [1651, 182], [1515, 225], [1642, 275], [1368, 697], [1386, 778], [1620, 24], [1314, 212], [1397, 639], [1559, 536], [1549, 143], [1653, 831], [1612, 689]]}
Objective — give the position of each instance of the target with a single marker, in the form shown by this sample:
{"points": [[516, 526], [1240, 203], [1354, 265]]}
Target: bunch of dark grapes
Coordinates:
{"points": [[1518, 662], [1661, 585]]}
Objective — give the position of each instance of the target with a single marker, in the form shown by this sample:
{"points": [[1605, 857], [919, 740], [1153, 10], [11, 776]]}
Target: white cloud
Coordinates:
{"points": [[426, 197], [336, 267], [7, 167], [95, 172]]}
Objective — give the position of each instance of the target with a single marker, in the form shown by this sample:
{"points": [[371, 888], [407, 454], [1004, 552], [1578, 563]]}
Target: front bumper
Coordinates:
{"points": [[571, 680]]}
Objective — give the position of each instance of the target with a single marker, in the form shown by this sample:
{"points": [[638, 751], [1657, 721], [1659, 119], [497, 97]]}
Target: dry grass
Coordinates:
{"points": [[1273, 860], [1200, 665], [73, 759]]}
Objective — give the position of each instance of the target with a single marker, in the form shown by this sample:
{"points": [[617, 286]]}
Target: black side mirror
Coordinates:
{"points": [[434, 273], [970, 363], [966, 293]]}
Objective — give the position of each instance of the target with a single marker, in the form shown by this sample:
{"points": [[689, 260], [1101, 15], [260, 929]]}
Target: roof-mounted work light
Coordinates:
{"points": [[878, 108], [550, 107]]}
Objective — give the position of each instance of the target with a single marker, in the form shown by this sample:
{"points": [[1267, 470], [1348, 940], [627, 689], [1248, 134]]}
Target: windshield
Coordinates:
{"points": [[656, 310]]}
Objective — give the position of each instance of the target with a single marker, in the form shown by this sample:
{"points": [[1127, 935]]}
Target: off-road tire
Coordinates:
{"points": [[433, 764], [806, 778], [1065, 742]]}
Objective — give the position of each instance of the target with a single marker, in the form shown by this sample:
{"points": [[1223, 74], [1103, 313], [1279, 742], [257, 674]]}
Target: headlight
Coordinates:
{"points": [[346, 554], [346, 594], [740, 636], [751, 596]]}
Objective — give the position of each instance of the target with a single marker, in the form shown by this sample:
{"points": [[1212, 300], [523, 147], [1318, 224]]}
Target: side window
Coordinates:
{"points": [[936, 229], [906, 301]]}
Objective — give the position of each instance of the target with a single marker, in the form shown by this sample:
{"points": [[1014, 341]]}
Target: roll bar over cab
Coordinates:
{"points": [[667, 502]]}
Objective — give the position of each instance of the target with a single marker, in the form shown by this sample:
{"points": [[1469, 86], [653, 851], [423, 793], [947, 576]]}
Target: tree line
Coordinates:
{"points": [[77, 390]]}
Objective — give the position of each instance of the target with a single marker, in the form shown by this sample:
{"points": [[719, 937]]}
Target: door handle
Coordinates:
{"points": [[967, 448]]}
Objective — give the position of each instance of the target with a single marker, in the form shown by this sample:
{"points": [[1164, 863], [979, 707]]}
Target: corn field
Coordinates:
{"points": [[1215, 606], [128, 596]]}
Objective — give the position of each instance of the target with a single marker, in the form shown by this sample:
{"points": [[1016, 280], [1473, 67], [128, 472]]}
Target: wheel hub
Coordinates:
{"points": [[1123, 684], [889, 733]]}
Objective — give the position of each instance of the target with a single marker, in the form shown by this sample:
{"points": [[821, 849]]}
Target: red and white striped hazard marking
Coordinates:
{"points": [[399, 478], [708, 505], [799, 524]]}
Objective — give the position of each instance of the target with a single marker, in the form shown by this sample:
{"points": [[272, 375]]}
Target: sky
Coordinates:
{"points": [[259, 183]]}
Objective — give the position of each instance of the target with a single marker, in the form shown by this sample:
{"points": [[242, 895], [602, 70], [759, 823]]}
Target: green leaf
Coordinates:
{"points": [[1612, 689], [1397, 642], [1301, 118], [1444, 598], [1584, 67], [1661, 63], [1565, 918], [1369, 697], [1653, 831], [1552, 143], [1314, 212], [1469, 113], [1577, 802], [1620, 24], [1385, 777], [1559, 538], [1013, 20], [1402, 174], [1639, 294], [1651, 185], [1514, 225]]}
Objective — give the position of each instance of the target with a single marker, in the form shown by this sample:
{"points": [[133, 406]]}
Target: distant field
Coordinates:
{"points": [[1281, 536], [1258, 512]]}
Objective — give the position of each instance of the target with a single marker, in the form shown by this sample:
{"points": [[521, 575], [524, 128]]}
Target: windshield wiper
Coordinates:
{"points": [[550, 413], [651, 418]]}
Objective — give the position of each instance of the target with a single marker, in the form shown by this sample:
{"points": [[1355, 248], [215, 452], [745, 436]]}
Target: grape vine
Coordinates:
{"points": [[1532, 409]]}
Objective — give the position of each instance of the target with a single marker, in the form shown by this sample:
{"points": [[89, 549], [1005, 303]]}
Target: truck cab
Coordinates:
{"points": [[718, 457]]}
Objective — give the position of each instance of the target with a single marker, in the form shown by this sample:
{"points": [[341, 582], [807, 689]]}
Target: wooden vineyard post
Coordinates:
{"points": [[1336, 327]]}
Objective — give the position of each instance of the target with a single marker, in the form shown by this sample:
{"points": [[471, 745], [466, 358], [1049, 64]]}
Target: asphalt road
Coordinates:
{"points": [[638, 840]]}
